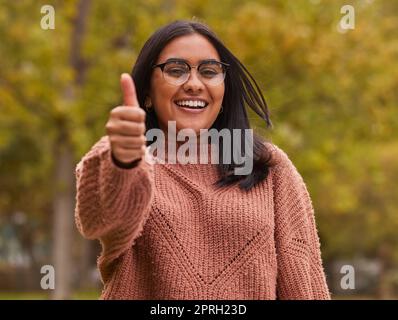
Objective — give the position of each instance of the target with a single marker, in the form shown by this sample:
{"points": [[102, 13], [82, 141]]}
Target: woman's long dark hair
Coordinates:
{"points": [[240, 89]]}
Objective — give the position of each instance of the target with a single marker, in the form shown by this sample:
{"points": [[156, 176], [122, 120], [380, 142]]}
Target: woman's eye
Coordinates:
{"points": [[208, 73], [176, 72]]}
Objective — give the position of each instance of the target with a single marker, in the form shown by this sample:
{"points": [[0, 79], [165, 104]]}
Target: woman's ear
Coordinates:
{"points": [[148, 103]]}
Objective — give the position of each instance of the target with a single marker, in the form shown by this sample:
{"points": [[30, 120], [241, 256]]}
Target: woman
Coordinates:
{"points": [[195, 231]]}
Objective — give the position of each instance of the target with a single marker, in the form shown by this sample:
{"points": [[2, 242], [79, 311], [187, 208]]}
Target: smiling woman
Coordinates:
{"points": [[225, 95], [195, 231]]}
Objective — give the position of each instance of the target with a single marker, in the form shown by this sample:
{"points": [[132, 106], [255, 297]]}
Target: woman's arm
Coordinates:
{"points": [[113, 203], [300, 270]]}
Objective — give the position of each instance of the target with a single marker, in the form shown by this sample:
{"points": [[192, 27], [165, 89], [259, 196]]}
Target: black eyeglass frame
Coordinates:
{"points": [[162, 65]]}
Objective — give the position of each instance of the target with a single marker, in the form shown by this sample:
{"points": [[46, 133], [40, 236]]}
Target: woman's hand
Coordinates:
{"points": [[126, 125]]}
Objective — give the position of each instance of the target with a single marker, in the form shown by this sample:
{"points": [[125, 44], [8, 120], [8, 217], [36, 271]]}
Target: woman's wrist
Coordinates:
{"points": [[124, 165]]}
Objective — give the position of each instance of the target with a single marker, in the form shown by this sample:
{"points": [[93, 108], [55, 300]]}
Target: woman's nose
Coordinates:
{"points": [[193, 83]]}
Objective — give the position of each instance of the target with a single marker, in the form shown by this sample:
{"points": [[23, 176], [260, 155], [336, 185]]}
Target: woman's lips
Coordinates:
{"points": [[190, 110]]}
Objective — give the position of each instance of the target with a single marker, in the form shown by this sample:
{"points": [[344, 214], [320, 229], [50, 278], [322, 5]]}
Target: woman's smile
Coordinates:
{"points": [[191, 105]]}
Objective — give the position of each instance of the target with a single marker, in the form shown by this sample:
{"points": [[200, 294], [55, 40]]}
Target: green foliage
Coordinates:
{"points": [[332, 97]]}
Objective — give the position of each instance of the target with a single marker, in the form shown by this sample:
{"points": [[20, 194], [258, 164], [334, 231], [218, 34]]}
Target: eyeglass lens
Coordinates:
{"points": [[178, 72]]}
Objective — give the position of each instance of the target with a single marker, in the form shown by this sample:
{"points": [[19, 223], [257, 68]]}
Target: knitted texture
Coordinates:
{"points": [[168, 233]]}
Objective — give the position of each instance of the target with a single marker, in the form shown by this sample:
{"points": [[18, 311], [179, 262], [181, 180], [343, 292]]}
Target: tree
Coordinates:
{"points": [[332, 97]]}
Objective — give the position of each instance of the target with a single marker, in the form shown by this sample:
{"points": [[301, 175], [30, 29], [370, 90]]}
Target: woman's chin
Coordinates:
{"points": [[190, 127]]}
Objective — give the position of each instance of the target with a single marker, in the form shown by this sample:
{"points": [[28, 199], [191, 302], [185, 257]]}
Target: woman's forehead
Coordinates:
{"points": [[192, 48]]}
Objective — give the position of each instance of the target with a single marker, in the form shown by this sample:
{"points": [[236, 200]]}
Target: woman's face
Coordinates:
{"points": [[165, 96]]}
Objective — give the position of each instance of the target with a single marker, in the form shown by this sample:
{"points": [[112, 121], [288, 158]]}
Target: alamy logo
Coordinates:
{"points": [[234, 143], [48, 280], [48, 20], [348, 280], [347, 22]]}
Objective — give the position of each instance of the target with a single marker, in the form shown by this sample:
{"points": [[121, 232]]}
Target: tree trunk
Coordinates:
{"points": [[384, 289], [64, 199], [63, 221]]}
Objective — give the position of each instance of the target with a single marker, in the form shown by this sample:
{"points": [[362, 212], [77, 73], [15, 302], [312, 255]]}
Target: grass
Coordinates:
{"points": [[84, 295], [94, 295]]}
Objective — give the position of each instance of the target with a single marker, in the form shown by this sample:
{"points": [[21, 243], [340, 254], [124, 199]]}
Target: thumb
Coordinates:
{"points": [[128, 89]]}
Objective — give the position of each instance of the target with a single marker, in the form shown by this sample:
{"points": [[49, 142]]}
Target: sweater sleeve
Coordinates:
{"points": [[112, 203], [300, 271]]}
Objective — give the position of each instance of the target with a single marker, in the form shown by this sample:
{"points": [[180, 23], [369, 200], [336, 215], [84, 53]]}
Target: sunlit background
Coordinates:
{"points": [[332, 93]]}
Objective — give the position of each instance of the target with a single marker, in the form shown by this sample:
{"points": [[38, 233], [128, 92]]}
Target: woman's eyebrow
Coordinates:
{"points": [[209, 60], [186, 61], [176, 59]]}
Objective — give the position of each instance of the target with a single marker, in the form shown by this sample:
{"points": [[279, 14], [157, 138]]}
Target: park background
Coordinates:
{"points": [[332, 94]]}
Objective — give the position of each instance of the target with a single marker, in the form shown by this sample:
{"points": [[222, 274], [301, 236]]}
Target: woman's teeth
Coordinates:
{"points": [[195, 104]]}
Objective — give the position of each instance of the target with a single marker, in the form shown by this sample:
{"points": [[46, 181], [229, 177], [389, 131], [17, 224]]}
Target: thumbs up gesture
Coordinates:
{"points": [[126, 125]]}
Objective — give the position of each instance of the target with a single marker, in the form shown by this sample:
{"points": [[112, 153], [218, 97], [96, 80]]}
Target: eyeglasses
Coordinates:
{"points": [[177, 71]]}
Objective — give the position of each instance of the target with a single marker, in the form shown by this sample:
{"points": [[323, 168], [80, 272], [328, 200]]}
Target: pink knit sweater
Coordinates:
{"points": [[167, 233]]}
